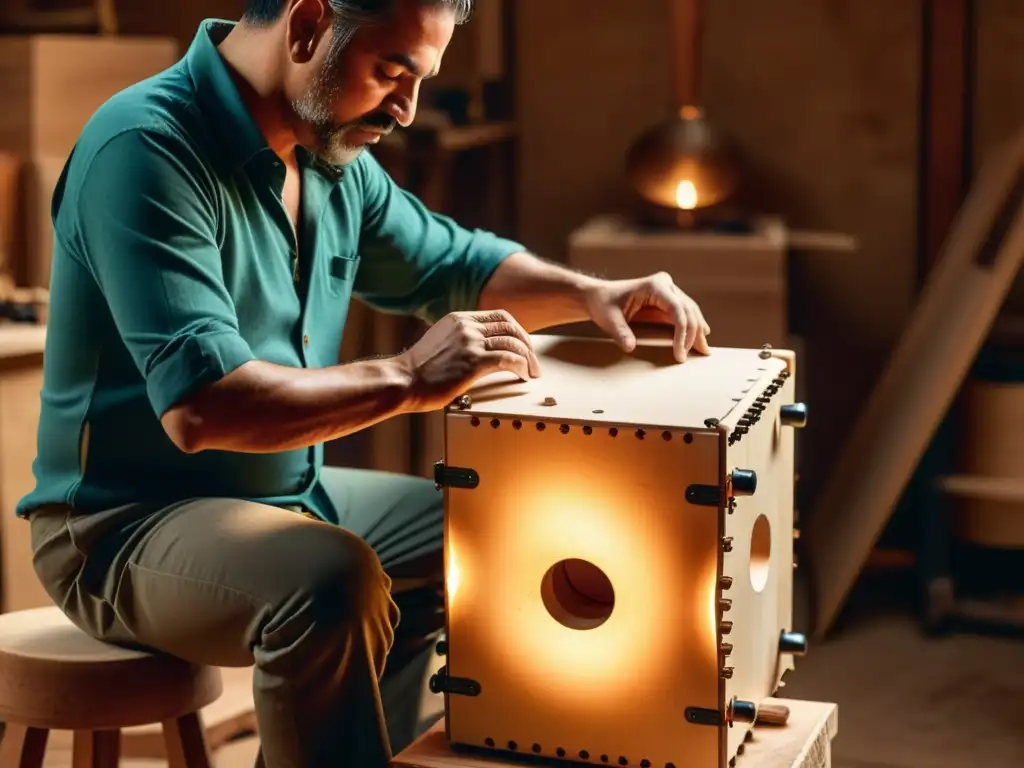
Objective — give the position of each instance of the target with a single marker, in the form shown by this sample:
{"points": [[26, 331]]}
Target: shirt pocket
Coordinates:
{"points": [[342, 273]]}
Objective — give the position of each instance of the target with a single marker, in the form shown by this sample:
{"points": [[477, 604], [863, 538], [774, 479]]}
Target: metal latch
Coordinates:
{"points": [[454, 477]]}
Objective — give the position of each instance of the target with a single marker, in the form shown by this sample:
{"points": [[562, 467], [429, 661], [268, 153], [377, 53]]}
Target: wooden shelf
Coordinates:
{"points": [[1006, 489]]}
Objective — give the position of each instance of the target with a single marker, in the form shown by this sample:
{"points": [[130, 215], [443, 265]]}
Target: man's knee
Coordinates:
{"points": [[334, 582]]}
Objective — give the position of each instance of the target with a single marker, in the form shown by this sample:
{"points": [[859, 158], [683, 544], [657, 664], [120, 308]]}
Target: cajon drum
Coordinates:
{"points": [[619, 554]]}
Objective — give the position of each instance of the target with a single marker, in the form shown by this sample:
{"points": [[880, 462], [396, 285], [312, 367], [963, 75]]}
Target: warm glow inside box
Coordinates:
{"points": [[619, 553]]}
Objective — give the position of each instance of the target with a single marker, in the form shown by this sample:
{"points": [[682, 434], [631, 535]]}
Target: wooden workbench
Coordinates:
{"points": [[806, 742]]}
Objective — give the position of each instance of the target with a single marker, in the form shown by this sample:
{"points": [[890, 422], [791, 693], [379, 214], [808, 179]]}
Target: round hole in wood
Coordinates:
{"points": [[760, 553], [577, 594]]}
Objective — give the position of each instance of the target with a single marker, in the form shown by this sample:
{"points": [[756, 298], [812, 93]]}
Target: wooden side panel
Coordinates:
{"points": [[620, 688], [761, 561]]}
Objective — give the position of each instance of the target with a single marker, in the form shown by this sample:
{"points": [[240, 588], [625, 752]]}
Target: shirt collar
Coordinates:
{"points": [[217, 96], [239, 138]]}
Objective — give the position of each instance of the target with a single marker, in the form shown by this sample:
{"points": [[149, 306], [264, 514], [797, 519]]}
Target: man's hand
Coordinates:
{"points": [[461, 348], [614, 304]]}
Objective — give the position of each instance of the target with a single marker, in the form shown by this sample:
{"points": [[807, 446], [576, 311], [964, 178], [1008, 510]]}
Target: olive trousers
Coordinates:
{"points": [[309, 604]]}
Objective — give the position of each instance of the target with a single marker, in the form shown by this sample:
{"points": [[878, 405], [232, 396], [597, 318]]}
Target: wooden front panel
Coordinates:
{"points": [[620, 688]]}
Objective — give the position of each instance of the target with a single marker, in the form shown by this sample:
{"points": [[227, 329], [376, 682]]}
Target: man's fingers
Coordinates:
{"points": [[501, 360], [693, 324], [516, 347], [684, 332], [701, 344], [500, 323], [513, 339]]}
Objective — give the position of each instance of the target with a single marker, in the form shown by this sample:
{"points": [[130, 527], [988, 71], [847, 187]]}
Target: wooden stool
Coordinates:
{"points": [[55, 677]]}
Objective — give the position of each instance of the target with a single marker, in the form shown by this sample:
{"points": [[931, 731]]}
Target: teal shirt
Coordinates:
{"points": [[175, 263]]}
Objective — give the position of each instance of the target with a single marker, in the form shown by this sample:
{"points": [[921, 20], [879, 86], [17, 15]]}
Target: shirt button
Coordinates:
{"points": [[305, 340]]}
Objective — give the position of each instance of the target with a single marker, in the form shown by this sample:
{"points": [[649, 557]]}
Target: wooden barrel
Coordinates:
{"points": [[991, 487]]}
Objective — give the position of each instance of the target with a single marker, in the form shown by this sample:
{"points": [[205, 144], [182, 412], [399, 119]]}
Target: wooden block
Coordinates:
{"points": [[965, 290], [739, 281], [805, 742], [54, 83]]}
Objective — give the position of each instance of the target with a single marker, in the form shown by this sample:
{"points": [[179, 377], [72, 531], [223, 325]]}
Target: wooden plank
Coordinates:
{"points": [[805, 742], [953, 316]]}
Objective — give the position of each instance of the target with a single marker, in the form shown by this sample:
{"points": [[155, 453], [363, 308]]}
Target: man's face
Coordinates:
{"points": [[350, 95]]}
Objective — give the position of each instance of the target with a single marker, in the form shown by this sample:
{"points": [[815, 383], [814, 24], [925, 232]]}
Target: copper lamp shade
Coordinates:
{"points": [[683, 163]]}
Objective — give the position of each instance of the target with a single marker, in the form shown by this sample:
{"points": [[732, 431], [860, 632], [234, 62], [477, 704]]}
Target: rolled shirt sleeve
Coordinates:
{"points": [[415, 261], [147, 230]]}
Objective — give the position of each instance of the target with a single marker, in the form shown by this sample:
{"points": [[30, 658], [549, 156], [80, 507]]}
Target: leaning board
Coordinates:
{"points": [[806, 742], [964, 292]]}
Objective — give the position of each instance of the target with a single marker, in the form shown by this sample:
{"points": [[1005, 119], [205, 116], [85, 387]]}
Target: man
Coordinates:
{"points": [[211, 227]]}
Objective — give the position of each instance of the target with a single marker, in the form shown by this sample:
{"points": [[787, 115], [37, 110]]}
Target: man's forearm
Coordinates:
{"points": [[537, 293], [267, 408]]}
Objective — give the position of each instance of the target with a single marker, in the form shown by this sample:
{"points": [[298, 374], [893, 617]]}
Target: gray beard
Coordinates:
{"points": [[331, 145]]}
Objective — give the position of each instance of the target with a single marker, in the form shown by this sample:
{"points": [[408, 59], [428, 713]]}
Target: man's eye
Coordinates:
{"points": [[389, 72]]}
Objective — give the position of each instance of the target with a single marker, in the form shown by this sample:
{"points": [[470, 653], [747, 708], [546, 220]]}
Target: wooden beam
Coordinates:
{"points": [[946, 97]]}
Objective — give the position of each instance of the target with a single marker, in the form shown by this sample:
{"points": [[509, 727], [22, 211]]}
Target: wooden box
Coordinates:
{"points": [[739, 280], [619, 553], [53, 84]]}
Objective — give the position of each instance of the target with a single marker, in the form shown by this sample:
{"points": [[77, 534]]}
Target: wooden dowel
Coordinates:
{"points": [[772, 714]]}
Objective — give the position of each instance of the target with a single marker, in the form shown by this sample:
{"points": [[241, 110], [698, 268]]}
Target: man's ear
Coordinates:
{"points": [[307, 22]]}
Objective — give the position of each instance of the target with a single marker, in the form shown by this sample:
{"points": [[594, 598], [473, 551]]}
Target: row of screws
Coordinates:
{"points": [[584, 754], [640, 434], [724, 604], [757, 408]]}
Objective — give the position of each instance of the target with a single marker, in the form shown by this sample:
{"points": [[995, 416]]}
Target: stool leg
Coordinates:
{"points": [[96, 749], [186, 742], [23, 747]]}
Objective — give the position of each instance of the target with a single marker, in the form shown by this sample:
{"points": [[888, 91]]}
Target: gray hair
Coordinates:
{"points": [[349, 15]]}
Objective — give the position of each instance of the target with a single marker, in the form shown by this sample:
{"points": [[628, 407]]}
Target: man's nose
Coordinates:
{"points": [[403, 104]]}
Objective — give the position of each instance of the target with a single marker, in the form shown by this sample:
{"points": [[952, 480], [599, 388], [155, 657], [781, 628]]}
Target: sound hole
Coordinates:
{"points": [[577, 594], [760, 553]]}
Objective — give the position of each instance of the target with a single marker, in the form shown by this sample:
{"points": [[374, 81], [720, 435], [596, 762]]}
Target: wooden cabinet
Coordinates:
{"points": [[21, 379], [51, 86]]}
